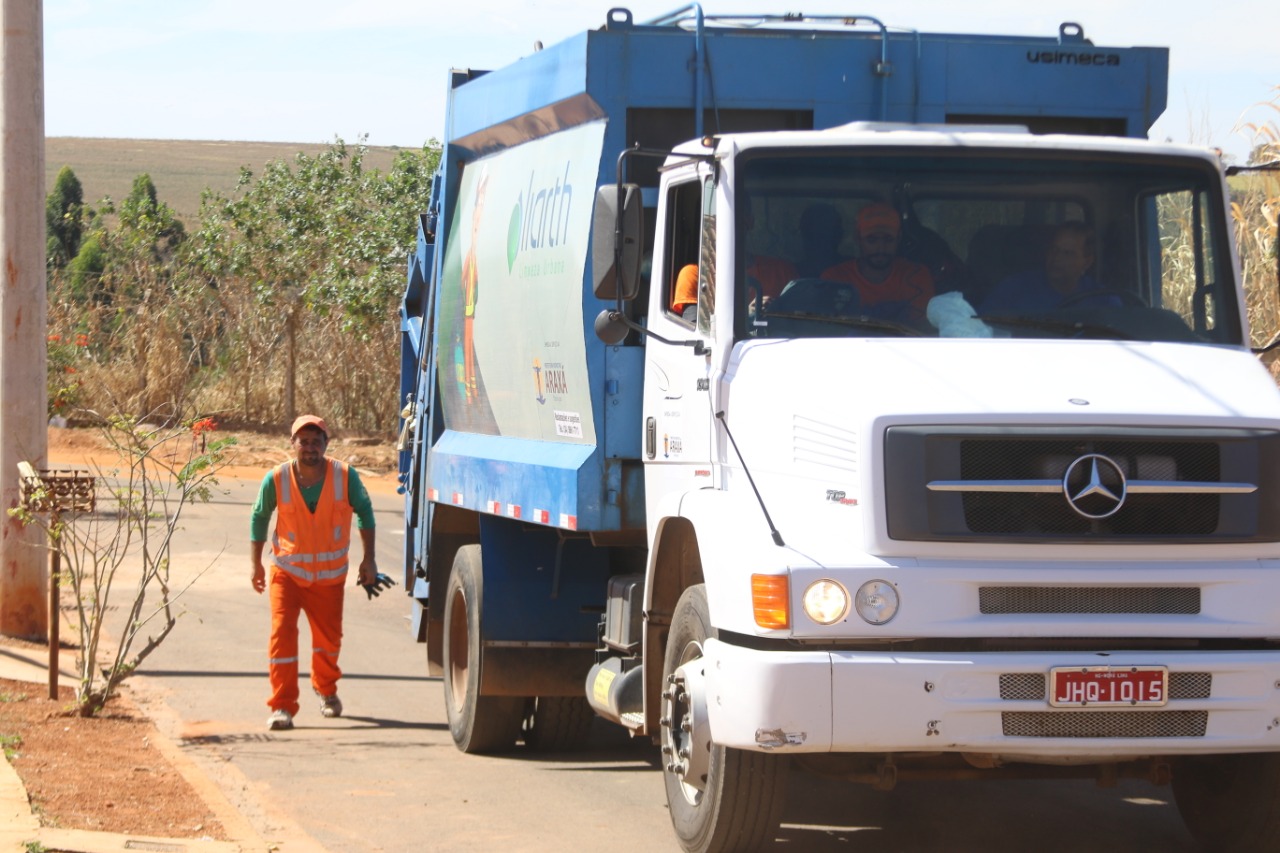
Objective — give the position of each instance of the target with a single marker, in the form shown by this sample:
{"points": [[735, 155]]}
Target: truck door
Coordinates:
{"points": [[677, 399]]}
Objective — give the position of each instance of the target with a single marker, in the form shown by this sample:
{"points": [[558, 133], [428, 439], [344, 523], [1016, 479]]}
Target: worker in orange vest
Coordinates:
{"points": [[314, 498]]}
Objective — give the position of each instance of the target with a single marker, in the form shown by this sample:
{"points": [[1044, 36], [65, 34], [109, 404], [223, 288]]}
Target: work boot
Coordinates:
{"points": [[280, 720], [330, 706]]}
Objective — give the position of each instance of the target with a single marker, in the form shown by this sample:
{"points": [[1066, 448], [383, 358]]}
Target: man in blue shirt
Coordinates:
{"points": [[1065, 278]]}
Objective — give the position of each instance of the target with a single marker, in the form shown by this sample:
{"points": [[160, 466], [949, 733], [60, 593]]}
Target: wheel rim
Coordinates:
{"points": [[686, 745], [459, 659]]}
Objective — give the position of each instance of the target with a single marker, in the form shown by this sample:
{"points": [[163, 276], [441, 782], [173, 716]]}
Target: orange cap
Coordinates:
{"points": [[306, 421], [878, 216]]}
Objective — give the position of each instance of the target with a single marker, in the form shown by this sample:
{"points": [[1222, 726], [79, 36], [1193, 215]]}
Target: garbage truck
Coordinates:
{"points": [[806, 394]]}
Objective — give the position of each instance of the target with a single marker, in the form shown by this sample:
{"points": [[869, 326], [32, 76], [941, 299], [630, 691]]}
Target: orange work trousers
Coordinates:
{"points": [[323, 606]]}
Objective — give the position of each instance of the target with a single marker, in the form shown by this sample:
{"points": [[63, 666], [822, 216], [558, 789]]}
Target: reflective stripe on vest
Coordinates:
{"points": [[312, 547]]}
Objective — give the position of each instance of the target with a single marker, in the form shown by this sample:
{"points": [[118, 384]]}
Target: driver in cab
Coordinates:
{"points": [[1064, 279]]}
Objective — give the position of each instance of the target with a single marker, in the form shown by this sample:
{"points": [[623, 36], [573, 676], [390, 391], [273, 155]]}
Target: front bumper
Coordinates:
{"points": [[873, 702]]}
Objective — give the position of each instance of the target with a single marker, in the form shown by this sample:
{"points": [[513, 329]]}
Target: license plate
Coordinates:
{"points": [[1105, 686]]}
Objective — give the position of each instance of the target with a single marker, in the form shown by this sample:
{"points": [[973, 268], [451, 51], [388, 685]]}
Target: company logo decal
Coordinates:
{"points": [[1064, 57], [1094, 486], [540, 220]]}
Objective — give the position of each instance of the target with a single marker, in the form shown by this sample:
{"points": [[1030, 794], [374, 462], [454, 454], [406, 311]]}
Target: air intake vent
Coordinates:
{"points": [[1105, 724], [1089, 600]]}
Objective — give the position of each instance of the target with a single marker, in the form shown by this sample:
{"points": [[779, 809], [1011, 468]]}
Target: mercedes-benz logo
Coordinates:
{"points": [[1094, 486]]}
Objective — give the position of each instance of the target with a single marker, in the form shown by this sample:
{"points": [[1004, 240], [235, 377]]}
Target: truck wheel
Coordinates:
{"points": [[720, 798], [557, 723], [477, 723], [1230, 802]]}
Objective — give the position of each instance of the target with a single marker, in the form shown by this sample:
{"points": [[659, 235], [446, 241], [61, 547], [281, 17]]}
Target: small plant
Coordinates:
{"points": [[10, 744], [64, 384], [130, 536]]}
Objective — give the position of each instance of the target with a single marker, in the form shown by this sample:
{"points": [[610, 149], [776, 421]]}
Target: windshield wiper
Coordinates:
{"points": [[855, 321], [1046, 324]]}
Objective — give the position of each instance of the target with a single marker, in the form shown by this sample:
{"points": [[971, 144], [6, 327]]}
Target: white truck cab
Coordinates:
{"points": [[990, 480]]}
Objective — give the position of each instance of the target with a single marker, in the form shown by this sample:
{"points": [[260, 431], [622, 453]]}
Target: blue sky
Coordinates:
{"points": [[310, 70]]}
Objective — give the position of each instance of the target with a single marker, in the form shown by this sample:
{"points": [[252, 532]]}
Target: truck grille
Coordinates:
{"points": [[1089, 600], [1033, 686], [1050, 513], [1105, 724], [1114, 484]]}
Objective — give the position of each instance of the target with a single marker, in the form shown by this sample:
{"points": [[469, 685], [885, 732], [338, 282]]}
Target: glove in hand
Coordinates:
{"points": [[380, 582]]}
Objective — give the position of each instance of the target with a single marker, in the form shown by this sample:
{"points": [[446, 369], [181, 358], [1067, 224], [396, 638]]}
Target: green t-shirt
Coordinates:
{"points": [[357, 496]]}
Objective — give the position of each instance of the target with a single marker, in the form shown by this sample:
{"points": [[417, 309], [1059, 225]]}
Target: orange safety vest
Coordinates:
{"points": [[312, 547]]}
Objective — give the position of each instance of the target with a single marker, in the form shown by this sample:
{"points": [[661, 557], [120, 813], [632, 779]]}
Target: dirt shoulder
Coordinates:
{"points": [[252, 456]]}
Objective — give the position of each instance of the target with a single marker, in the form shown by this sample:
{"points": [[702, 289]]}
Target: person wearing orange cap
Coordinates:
{"points": [[889, 287], [314, 499]]}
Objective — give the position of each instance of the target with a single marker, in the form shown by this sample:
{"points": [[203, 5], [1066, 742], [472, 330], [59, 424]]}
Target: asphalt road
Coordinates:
{"points": [[386, 776]]}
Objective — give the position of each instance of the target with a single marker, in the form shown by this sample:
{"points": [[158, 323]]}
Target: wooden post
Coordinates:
{"points": [[55, 613]]}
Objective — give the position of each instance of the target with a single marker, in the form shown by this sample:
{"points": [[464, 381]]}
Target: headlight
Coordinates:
{"points": [[826, 602], [876, 601]]}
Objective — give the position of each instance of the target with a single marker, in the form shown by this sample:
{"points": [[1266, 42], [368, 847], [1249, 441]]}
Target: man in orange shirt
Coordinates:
{"points": [[314, 499], [889, 287]]}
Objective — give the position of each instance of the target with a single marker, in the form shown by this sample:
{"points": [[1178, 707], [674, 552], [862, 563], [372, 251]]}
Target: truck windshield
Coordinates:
{"points": [[1011, 243]]}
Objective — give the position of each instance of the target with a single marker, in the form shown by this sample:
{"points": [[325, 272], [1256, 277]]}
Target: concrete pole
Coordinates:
{"points": [[23, 309]]}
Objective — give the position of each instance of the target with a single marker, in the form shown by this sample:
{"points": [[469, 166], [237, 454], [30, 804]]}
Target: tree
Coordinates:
{"points": [[63, 209], [85, 269], [119, 291], [308, 261]]}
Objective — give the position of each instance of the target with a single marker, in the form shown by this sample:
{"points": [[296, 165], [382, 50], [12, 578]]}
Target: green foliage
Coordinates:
{"points": [[290, 280], [306, 262], [10, 744], [321, 233], [86, 268], [63, 212]]}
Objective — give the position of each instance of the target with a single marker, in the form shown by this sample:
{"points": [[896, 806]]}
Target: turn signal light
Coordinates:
{"points": [[771, 601]]}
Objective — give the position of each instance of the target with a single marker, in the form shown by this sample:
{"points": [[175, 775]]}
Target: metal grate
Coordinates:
{"points": [[1022, 686], [1088, 600], [1190, 685], [1105, 724], [1050, 514], [1032, 686]]}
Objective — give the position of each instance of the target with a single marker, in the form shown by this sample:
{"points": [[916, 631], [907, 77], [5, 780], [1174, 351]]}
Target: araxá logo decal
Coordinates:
{"points": [[540, 220]]}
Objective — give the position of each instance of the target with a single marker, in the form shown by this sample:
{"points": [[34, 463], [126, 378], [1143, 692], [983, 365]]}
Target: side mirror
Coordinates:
{"points": [[611, 279], [610, 327]]}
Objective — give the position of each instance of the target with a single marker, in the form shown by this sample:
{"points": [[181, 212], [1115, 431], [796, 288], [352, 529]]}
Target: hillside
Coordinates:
{"points": [[180, 169]]}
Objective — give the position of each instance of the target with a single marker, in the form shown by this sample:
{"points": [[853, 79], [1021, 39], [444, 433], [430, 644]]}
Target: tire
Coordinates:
{"points": [[1230, 802], [557, 723], [477, 723], [737, 804]]}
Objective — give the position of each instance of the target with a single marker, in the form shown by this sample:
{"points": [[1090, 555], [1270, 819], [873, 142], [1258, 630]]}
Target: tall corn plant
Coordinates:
{"points": [[1254, 207]]}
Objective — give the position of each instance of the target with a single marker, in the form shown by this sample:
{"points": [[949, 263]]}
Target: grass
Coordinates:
{"points": [[180, 170], [10, 744]]}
